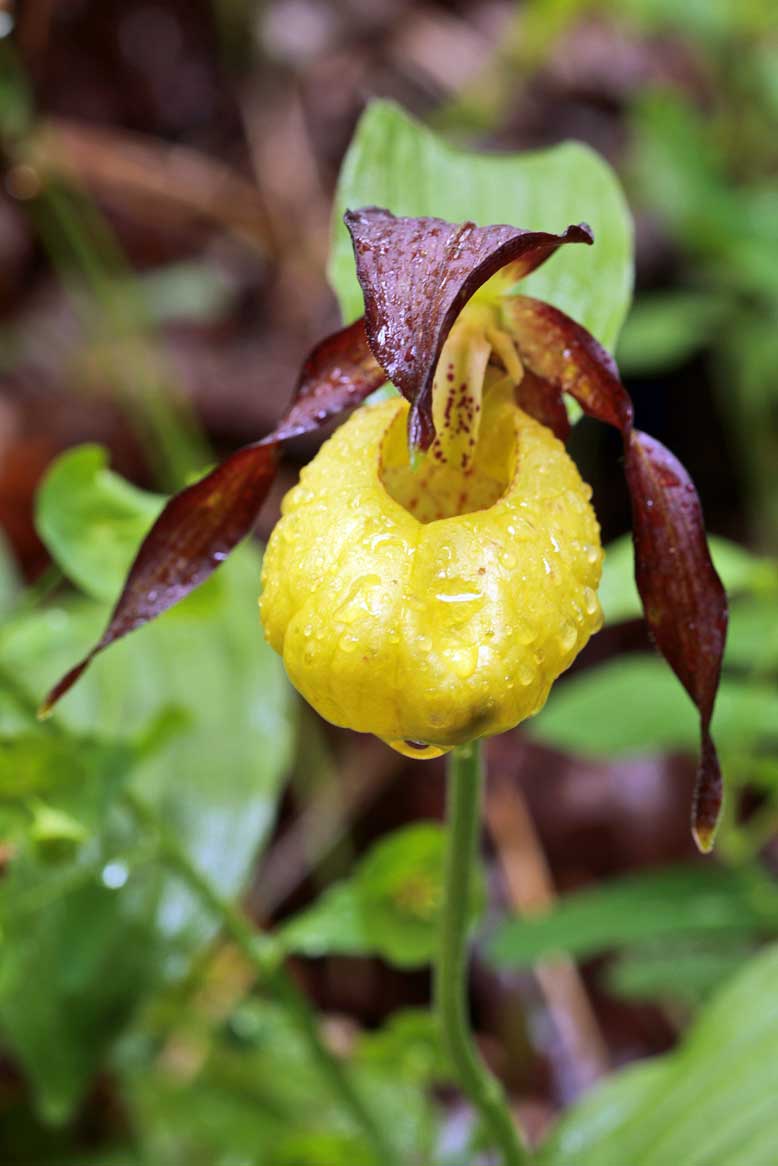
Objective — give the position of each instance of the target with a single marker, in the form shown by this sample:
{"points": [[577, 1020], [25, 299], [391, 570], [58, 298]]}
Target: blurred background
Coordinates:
{"points": [[166, 178]]}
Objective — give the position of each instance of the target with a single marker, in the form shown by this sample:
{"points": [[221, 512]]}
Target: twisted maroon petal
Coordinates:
{"points": [[416, 276], [202, 524], [683, 598]]}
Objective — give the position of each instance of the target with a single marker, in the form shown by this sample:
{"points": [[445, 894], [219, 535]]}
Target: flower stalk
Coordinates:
{"points": [[465, 785]]}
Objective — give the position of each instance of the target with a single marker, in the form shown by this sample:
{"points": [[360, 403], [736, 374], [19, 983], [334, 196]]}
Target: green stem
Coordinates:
{"points": [[264, 955], [465, 781]]}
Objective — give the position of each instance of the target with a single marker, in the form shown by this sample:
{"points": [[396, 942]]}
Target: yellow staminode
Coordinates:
{"points": [[433, 605]]}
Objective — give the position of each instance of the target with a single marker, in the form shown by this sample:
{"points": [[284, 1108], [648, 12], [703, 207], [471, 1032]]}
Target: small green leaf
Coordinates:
{"points": [[333, 925], [399, 885], [740, 570], [396, 163], [410, 1046], [390, 907], [696, 900], [711, 1102], [92, 521]]}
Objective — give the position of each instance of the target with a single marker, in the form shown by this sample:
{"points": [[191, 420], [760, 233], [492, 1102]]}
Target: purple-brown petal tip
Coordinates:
{"points": [[417, 274]]}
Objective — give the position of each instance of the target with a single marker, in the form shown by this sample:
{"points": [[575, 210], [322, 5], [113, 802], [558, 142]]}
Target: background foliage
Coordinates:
{"points": [[182, 826]]}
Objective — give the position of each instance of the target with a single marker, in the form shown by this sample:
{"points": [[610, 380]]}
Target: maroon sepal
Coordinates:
{"points": [[337, 375], [202, 524], [416, 276], [544, 402], [683, 597]]}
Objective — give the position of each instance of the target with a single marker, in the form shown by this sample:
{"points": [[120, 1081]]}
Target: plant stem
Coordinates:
{"points": [[465, 782], [265, 956]]}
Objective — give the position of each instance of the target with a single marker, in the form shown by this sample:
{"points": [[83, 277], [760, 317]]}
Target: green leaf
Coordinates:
{"points": [[65, 767], [409, 1046], [399, 886], [215, 781], [752, 637], [71, 975], [92, 521], [681, 971], [634, 705], [395, 162], [333, 925], [390, 907], [663, 331], [740, 570], [711, 1102], [685, 900]]}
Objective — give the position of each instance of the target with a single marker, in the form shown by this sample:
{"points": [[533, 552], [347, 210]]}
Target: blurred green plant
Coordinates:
{"points": [[135, 817], [194, 718]]}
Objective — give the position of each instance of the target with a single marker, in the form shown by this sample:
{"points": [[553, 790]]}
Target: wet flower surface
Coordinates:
{"points": [[418, 614]]}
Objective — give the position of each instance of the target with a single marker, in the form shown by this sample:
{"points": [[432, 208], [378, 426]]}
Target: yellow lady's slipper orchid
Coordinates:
{"points": [[435, 604], [433, 599]]}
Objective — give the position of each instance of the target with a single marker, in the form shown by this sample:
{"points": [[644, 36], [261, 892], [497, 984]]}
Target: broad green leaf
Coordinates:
{"points": [[740, 571], [664, 331], [92, 521], [710, 1103], [752, 637], [71, 975], [395, 162], [634, 704], [681, 971], [215, 782], [390, 907], [699, 900]]}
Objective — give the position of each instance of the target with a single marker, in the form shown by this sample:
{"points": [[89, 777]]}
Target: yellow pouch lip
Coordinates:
{"points": [[408, 677]]}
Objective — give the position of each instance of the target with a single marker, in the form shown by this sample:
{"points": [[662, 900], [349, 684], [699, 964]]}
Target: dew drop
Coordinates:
{"points": [[114, 875], [464, 662], [568, 636], [525, 633]]}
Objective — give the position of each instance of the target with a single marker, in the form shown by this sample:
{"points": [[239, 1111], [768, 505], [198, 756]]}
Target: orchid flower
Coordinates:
{"points": [[436, 568]]}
